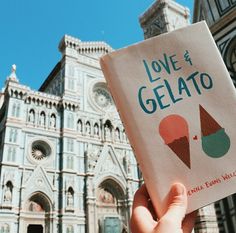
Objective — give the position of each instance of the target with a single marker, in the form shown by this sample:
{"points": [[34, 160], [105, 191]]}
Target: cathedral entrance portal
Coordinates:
{"points": [[111, 208], [33, 228], [36, 215]]}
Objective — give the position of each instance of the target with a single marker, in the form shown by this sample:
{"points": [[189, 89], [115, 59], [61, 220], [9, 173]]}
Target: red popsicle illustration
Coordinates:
{"points": [[174, 131]]}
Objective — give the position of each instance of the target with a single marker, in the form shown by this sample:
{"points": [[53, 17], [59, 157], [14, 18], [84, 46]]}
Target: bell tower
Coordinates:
{"points": [[163, 16]]}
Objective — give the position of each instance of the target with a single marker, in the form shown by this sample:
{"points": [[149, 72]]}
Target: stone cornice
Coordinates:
{"points": [[84, 47]]}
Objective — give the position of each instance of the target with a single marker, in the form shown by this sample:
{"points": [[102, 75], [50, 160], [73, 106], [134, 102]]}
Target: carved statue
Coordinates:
{"points": [[88, 129], [42, 119], [8, 195], [124, 136], [79, 126], [70, 199], [117, 135], [96, 130], [31, 117], [53, 121], [107, 133], [127, 163]]}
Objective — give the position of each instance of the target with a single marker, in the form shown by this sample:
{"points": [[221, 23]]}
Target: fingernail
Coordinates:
{"points": [[177, 190]]}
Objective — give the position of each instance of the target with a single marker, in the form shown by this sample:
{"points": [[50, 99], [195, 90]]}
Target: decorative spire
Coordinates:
{"points": [[12, 76]]}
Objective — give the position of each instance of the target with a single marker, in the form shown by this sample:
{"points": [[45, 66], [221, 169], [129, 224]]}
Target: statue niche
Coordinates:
{"points": [[8, 192]]}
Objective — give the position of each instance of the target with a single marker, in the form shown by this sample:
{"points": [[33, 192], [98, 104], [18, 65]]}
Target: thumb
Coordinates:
{"points": [[177, 206]]}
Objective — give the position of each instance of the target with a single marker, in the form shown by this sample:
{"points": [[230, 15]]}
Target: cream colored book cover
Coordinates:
{"points": [[178, 105]]}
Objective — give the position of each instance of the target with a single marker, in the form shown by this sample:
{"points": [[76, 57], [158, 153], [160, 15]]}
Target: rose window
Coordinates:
{"points": [[101, 96], [40, 150]]}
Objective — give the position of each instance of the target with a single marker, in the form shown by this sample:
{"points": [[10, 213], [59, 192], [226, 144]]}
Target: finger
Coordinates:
{"points": [[141, 197], [189, 221], [141, 219], [177, 207]]}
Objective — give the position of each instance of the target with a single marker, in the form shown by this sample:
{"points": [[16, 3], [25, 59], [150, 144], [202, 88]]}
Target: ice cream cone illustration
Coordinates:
{"points": [[215, 141], [174, 131]]}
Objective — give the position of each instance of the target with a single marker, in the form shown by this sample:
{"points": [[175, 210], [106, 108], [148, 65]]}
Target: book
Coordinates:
{"points": [[177, 103]]}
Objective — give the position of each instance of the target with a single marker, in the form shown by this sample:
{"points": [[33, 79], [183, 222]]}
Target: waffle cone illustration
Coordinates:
{"points": [[215, 141], [174, 131]]}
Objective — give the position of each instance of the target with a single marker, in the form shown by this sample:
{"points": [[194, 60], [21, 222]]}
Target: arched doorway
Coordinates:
{"points": [[111, 208], [37, 213], [35, 228]]}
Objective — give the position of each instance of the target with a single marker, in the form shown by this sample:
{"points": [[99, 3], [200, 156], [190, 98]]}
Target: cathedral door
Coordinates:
{"points": [[112, 225], [33, 228]]}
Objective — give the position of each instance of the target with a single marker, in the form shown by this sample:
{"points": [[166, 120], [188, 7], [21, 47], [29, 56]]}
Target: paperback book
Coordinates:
{"points": [[178, 105]]}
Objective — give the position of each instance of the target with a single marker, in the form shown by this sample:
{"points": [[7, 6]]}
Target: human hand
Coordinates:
{"points": [[175, 220]]}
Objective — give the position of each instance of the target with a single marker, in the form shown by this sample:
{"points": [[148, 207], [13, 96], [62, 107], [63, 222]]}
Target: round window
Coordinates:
{"points": [[102, 96], [40, 150]]}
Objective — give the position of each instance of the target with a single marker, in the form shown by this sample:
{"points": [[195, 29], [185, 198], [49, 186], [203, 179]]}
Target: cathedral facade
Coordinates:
{"points": [[66, 163]]}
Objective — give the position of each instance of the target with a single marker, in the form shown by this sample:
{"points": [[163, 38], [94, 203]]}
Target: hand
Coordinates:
{"points": [[143, 219]]}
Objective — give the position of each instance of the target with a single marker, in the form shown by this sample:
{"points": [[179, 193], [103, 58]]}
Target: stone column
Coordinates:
{"points": [[91, 217]]}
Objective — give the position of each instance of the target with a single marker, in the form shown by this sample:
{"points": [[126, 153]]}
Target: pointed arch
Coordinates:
{"points": [[38, 202], [80, 126]]}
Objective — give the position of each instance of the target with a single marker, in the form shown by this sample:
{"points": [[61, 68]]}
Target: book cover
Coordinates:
{"points": [[177, 103]]}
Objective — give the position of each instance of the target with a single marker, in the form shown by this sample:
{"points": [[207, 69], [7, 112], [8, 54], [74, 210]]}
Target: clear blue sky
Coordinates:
{"points": [[31, 30]]}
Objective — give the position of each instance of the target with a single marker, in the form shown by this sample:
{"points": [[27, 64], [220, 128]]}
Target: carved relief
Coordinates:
{"points": [[92, 156]]}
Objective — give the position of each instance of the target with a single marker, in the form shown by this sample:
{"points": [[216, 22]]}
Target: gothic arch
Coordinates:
{"points": [[114, 186], [37, 211], [112, 180], [111, 204], [41, 199]]}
